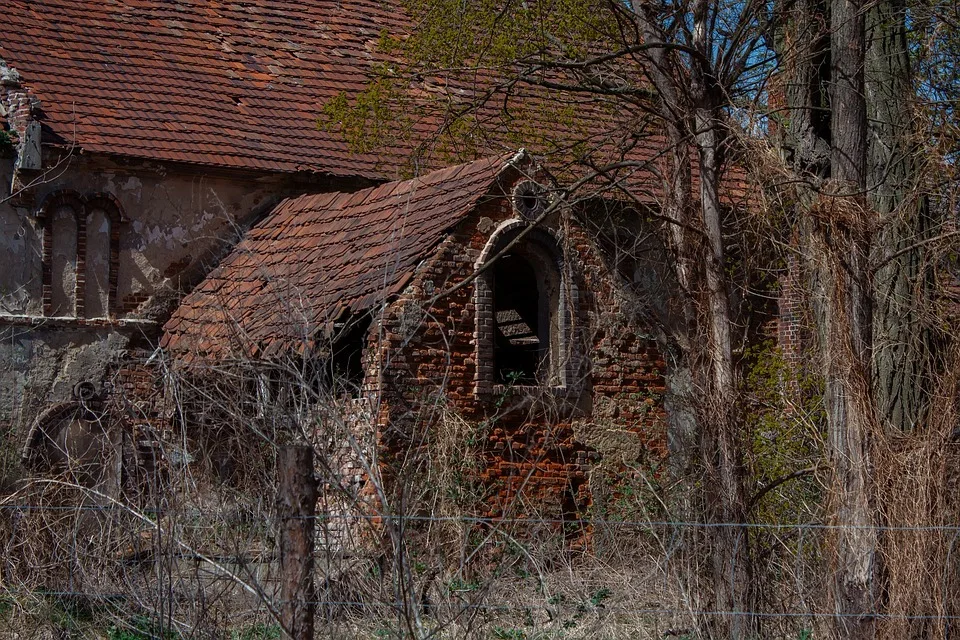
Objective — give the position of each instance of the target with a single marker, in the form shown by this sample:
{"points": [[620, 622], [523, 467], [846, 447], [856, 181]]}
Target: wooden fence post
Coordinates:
{"points": [[296, 507]]}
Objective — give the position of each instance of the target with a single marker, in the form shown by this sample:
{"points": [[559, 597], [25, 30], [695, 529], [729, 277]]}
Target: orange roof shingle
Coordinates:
{"points": [[241, 85], [317, 257], [227, 84]]}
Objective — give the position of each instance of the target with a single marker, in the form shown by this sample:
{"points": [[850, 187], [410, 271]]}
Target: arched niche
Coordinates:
{"points": [[71, 438], [61, 218], [81, 254], [97, 293], [103, 221]]}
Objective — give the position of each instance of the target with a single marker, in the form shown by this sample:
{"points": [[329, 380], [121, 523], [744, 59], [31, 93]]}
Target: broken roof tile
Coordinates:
{"points": [[275, 290]]}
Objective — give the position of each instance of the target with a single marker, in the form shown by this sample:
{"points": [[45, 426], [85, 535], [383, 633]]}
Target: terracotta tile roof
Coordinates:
{"points": [[317, 257], [231, 84], [241, 85]]}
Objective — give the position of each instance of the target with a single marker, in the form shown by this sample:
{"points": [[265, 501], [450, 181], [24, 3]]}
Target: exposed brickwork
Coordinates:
{"points": [[137, 405], [80, 282], [137, 387], [81, 207], [429, 356], [438, 359], [789, 323], [16, 100], [133, 303]]}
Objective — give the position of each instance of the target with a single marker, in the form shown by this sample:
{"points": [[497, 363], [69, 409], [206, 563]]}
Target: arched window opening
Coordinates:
{"points": [[63, 262], [523, 300], [521, 335]]}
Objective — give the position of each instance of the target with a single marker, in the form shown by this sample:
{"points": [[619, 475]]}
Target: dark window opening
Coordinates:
{"points": [[520, 346], [530, 202], [338, 369], [347, 358]]}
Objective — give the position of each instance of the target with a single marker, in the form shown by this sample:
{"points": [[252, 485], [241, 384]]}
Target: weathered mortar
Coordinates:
{"points": [[538, 445]]}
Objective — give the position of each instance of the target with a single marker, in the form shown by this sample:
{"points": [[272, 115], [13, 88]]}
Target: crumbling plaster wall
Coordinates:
{"points": [[178, 221], [19, 253], [543, 448]]}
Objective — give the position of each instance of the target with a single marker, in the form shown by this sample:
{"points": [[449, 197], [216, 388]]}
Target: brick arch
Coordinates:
{"points": [[109, 204], [72, 200], [543, 247], [42, 431], [509, 230]]}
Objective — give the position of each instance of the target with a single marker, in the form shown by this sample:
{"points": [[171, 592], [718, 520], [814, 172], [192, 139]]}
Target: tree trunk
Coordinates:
{"points": [[721, 451], [848, 123], [840, 312], [296, 507], [691, 95], [804, 52], [901, 342], [840, 248]]}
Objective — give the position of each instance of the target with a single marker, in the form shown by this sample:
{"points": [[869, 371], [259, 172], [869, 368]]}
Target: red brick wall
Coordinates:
{"points": [[789, 323], [537, 447]]}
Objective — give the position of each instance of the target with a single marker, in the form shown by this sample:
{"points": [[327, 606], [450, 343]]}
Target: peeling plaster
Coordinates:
{"points": [[132, 183], [174, 221]]}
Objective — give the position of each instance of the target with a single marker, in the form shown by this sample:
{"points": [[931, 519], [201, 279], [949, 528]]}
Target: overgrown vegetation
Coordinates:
{"points": [[7, 144], [800, 485], [816, 104]]}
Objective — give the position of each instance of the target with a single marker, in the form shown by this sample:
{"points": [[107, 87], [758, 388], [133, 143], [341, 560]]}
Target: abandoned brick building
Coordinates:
{"points": [[136, 142], [443, 295], [145, 145]]}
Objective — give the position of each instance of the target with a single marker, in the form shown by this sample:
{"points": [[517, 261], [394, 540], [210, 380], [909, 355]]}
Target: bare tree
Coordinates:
{"points": [[669, 73]]}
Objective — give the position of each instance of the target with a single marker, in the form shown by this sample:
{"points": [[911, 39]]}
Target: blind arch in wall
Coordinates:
{"points": [[80, 254]]}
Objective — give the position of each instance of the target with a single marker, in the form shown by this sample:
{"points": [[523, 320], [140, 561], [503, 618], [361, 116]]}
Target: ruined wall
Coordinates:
{"points": [[112, 282], [540, 450]]}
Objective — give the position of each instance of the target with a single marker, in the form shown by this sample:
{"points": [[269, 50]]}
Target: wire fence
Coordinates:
{"points": [[497, 520], [197, 571]]}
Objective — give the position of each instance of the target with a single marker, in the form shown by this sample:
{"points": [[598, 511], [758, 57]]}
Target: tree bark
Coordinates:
{"points": [[848, 123], [902, 345], [804, 52], [297, 503], [841, 247], [840, 312]]}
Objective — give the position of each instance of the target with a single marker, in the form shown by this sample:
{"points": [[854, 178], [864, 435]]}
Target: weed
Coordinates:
{"points": [[600, 595], [258, 631], [461, 586], [140, 627]]}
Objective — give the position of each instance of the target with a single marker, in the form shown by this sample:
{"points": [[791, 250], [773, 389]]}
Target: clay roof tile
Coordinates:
{"points": [[217, 83], [278, 286]]}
